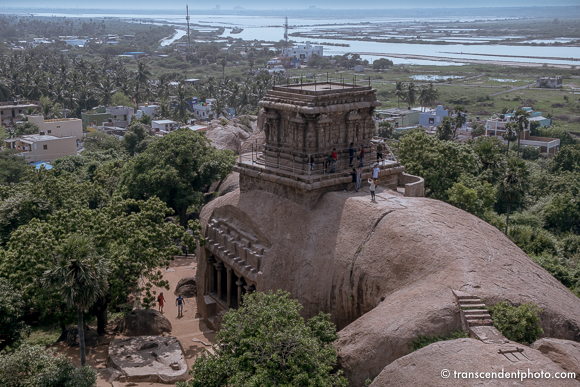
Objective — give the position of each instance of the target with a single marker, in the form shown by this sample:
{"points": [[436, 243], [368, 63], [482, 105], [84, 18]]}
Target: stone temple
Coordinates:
{"points": [[388, 271]]}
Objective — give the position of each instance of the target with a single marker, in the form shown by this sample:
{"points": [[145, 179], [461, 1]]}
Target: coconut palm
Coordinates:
{"points": [[509, 135], [411, 94], [521, 119], [514, 185], [80, 276], [399, 92]]}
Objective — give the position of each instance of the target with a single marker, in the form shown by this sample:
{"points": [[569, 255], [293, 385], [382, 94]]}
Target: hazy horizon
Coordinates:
{"points": [[264, 5]]}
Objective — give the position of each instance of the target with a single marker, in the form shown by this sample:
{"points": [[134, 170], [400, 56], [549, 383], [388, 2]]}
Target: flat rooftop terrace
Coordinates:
{"points": [[321, 88]]}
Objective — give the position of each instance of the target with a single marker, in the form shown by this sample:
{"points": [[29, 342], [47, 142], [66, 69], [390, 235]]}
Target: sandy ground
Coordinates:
{"points": [[185, 329]]}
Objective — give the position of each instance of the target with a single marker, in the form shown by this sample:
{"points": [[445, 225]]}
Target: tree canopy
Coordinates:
{"points": [[176, 169], [267, 343]]}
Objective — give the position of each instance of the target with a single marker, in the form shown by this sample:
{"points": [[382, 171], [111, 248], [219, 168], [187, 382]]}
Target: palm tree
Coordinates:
{"points": [[514, 184], [460, 117], [510, 135], [181, 110], [411, 94], [224, 63], [399, 92], [143, 72], [80, 276], [521, 119]]}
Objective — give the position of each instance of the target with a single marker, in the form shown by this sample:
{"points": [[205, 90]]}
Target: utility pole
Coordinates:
{"points": [[188, 39], [286, 34]]}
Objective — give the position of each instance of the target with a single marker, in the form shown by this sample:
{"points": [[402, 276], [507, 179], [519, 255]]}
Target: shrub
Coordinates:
{"points": [[34, 366], [533, 240], [517, 323], [11, 311], [423, 341]]}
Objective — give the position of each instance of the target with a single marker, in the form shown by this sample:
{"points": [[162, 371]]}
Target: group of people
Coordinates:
{"points": [[356, 175], [179, 302], [332, 159]]}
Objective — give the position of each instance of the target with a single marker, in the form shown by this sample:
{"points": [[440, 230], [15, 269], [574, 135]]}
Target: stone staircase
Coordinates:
{"points": [[473, 311], [476, 320]]}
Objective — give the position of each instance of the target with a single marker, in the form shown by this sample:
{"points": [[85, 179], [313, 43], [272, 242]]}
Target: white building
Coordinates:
{"points": [[163, 125], [203, 111], [59, 127], [302, 52], [150, 110], [432, 117]]}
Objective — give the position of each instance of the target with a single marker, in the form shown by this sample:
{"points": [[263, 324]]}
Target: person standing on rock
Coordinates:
{"points": [[373, 184], [179, 302], [160, 300], [376, 171], [334, 157], [362, 156]]}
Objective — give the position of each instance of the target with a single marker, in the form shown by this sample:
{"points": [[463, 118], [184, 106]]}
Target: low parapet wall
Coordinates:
{"points": [[414, 185]]}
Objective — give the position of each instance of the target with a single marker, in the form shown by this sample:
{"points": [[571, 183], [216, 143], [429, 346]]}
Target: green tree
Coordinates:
{"points": [[514, 185], [567, 159], [176, 169], [11, 312], [137, 139], [267, 343], [446, 129], [399, 92], [80, 277], [477, 129], [510, 135], [12, 167], [440, 163], [99, 141], [49, 109], [120, 99], [471, 195], [25, 128], [386, 129], [382, 63], [520, 118], [460, 117], [34, 366], [563, 213], [223, 63], [411, 94], [520, 324]]}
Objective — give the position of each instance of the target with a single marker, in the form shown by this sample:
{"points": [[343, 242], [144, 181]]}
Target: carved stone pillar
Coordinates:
{"points": [[210, 273], [229, 279], [219, 267], [239, 282]]}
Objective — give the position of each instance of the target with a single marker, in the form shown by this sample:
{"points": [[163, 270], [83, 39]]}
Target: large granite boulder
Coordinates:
{"points": [[144, 322], [186, 287], [447, 363], [149, 359], [383, 271], [565, 353], [231, 135]]}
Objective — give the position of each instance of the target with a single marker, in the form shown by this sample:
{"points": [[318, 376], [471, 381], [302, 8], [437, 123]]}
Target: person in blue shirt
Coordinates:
{"points": [[179, 303]]}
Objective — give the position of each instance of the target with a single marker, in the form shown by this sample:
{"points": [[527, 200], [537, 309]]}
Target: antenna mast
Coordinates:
{"points": [[188, 39], [286, 33]]}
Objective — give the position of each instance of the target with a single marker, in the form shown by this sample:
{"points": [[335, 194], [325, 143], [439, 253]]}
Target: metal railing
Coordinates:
{"points": [[317, 163]]}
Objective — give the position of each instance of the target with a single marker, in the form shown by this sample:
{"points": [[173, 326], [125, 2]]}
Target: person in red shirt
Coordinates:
{"points": [[160, 300], [334, 157]]}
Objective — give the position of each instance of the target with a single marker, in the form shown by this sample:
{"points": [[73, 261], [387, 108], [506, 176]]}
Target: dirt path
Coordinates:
{"points": [[514, 89], [185, 329]]}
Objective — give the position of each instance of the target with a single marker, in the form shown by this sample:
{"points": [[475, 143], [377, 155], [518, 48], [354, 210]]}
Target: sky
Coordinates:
{"points": [[294, 4]]}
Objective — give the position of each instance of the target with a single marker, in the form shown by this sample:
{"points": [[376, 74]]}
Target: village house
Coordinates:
{"points": [[302, 52], [10, 112], [59, 127], [163, 126], [497, 127], [45, 148], [549, 82]]}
